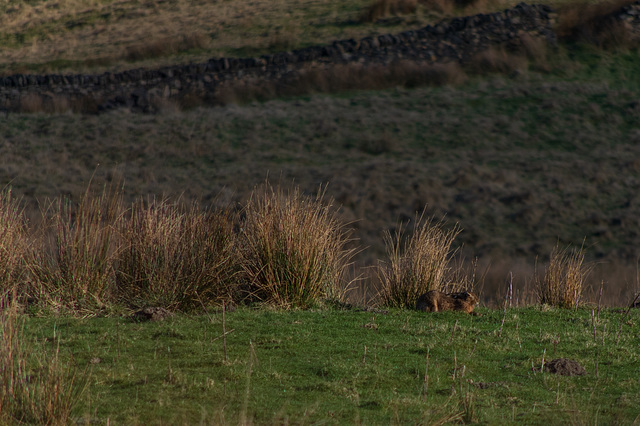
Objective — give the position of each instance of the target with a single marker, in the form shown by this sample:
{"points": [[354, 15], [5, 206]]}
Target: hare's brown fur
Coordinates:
{"points": [[435, 301]]}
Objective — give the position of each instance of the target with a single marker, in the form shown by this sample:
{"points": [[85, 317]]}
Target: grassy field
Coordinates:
{"points": [[340, 366]]}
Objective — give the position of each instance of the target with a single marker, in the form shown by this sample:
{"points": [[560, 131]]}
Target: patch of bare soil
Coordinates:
{"points": [[565, 367]]}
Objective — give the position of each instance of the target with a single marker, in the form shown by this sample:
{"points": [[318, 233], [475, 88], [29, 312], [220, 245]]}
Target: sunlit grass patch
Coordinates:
{"points": [[293, 248]]}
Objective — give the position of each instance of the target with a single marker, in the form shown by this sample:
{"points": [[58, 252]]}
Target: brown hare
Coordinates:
{"points": [[436, 301]]}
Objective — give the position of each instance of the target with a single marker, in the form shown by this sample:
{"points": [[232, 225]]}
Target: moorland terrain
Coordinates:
{"points": [[525, 150]]}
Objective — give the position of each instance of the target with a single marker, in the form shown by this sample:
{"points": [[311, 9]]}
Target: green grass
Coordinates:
{"points": [[345, 366]]}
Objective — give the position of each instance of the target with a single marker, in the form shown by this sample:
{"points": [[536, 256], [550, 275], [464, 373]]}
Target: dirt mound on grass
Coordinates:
{"points": [[151, 314], [565, 367]]}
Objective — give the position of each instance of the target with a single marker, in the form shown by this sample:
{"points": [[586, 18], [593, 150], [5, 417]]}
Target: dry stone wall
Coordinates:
{"points": [[458, 39]]}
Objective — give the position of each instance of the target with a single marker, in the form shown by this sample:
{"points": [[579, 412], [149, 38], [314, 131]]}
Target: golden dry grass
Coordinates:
{"points": [[176, 257], [34, 390], [293, 249], [14, 244], [564, 278], [72, 262], [416, 263]]}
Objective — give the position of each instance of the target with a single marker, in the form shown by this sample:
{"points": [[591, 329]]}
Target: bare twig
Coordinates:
{"points": [[204, 307], [224, 331], [504, 314], [453, 331], [625, 315], [425, 386], [600, 298], [222, 335]]}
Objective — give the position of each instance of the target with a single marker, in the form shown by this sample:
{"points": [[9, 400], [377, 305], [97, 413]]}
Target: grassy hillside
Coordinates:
{"points": [[521, 162], [73, 35], [523, 154], [345, 366]]}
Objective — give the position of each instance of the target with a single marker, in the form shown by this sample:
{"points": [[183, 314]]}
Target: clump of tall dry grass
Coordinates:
{"points": [[34, 390], [293, 249], [14, 244], [417, 264], [594, 23], [495, 60], [72, 264], [175, 256], [341, 77], [563, 279]]}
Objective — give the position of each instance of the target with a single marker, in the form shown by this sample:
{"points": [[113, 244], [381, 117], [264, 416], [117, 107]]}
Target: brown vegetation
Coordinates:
{"points": [[293, 249], [34, 390], [563, 281], [593, 23], [385, 8], [166, 46], [175, 256], [338, 78], [417, 264]]}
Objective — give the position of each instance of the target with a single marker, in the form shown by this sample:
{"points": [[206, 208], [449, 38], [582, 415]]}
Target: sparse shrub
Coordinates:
{"points": [[56, 104], [497, 61], [293, 249], [535, 50], [337, 78], [563, 279], [175, 257], [593, 23], [285, 37], [72, 265], [14, 244], [413, 74], [166, 46], [34, 390], [380, 9], [416, 264], [30, 103], [49, 104]]}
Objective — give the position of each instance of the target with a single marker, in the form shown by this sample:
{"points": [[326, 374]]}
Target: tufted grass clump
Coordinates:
{"points": [[74, 253], [293, 249], [563, 279], [176, 257], [34, 389], [594, 23], [417, 263], [14, 243]]}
